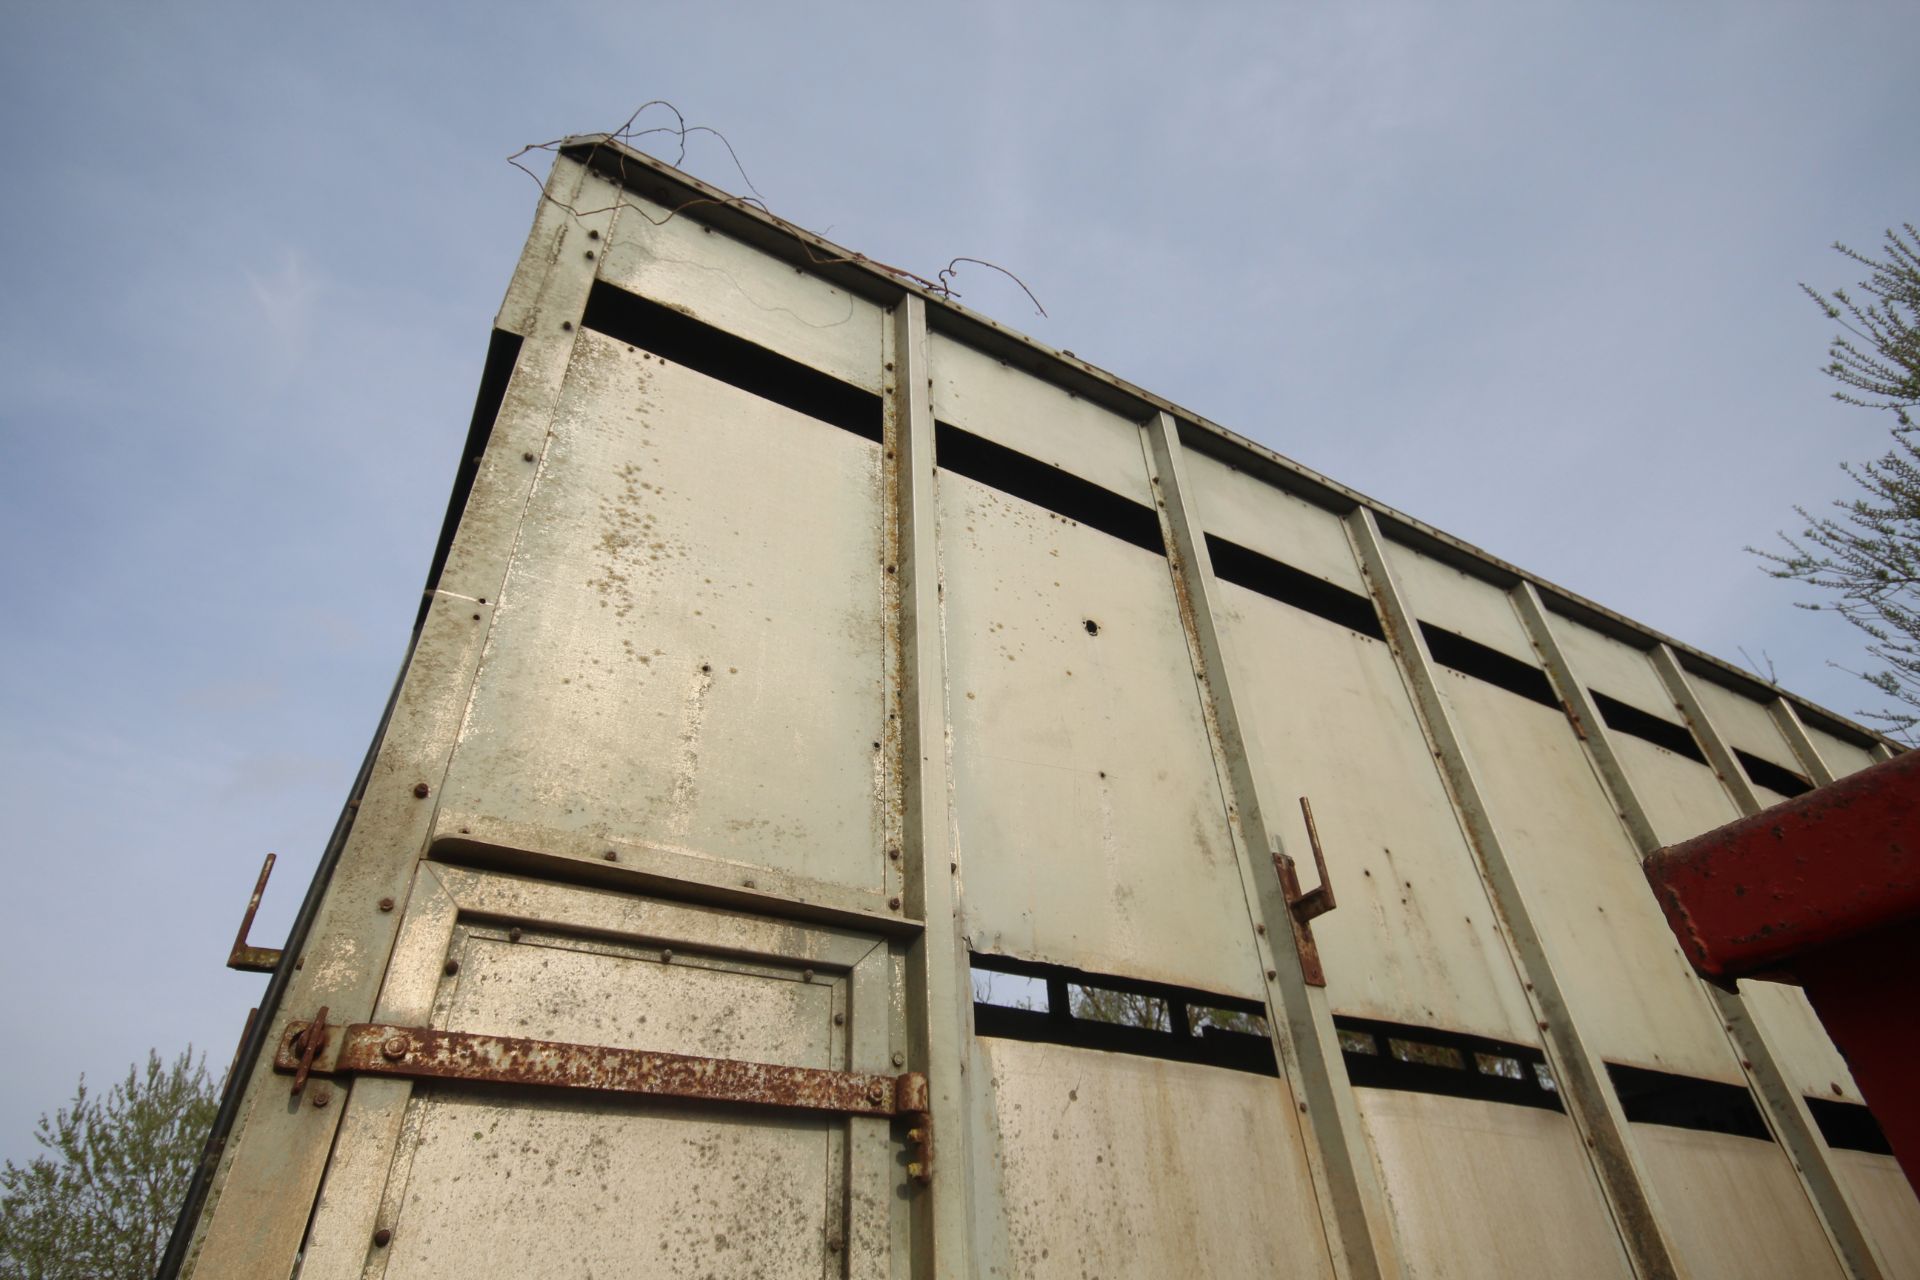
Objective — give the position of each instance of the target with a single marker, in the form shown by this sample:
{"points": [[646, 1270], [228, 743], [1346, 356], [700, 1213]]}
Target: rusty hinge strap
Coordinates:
{"points": [[245, 956], [372, 1048], [1306, 907]]}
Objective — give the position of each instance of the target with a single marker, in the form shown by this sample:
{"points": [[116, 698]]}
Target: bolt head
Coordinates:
{"points": [[395, 1047], [876, 1094], [381, 1237], [451, 967], [421, 790], [320, 1095], [611, 856], [894, 903], [899, 1058], [386, 904]]}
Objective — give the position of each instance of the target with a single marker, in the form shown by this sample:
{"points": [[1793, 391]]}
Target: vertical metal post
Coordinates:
{"points": [[1354, 1209], [1786, 1111], [940, 1001], [1788, 721], [1577, 1067]]}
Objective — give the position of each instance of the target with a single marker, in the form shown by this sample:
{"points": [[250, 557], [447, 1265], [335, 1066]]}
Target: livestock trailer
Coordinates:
{"points": [[869, 795]]}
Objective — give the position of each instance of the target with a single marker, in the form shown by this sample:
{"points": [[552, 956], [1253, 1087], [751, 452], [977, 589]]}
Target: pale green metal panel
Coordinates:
{"points": [[687, 650]]}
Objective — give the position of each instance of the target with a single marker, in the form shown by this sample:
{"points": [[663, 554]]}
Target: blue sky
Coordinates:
{"points": [[1527, 272]]}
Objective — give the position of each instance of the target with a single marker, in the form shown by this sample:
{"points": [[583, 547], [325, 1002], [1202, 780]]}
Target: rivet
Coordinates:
{"points": [[839, 1019], [589, 255], [567, 325], [451, 967], [806, 975], [894, 854], [593, 235], [1746, 1065], [747, 884], [1259, 928], [527, 456], [421, 790], [875, 1093], [386, 904], [476, 617], [894, 903], [1272, 973], [395, 1047], [899, 1058], [1543, 1024], [381, 1237], [833, 1244], [321, 1095], [1303, 1108], [611, 856], [666, 955], [513, 935]]}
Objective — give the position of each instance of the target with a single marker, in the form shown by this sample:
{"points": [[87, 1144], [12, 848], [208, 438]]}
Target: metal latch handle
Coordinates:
{"points": [[1305, 907]]}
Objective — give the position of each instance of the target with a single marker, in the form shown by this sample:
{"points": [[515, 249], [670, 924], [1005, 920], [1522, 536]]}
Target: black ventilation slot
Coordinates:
{"points": [[1849, 1125], [1683, 1102], [1471, 658], [724, 357], [1765, 773], [1646, 726], [1242, 567], [1054, 1004], [503, 351], [1031, 480], [1389, 1055]]}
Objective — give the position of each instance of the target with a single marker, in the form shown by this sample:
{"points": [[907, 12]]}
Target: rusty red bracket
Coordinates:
{"points": [[246, 957], [1823, 890], [1309, 906], [381, 1049]]}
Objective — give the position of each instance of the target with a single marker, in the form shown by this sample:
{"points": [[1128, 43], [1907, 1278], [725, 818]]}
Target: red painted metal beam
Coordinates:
{"points": [[1823, 890]]}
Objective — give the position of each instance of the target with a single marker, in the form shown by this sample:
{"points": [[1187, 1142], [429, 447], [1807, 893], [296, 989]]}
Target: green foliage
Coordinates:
{"points": [[100, 1203], [1866, 560]]}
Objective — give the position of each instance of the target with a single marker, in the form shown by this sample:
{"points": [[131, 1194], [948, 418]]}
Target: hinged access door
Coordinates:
{"points": [[560, 1080]]}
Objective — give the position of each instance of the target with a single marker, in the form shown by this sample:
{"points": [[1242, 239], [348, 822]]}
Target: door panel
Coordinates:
{"points": [[472, 1177]]}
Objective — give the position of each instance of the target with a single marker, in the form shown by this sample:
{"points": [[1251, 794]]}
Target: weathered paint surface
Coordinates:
{"points": [[730, 732], [1133, 1167], [1482, 1189]]}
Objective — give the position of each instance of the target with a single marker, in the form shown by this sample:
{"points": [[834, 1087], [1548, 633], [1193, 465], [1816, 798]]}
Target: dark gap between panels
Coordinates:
{"points": [[1765, 773], [1278, 581], [1044, 485], [1410, 1059], [725, 357], [1849, 1125], [1483, 662], [1647, 727], [1685, 1102]]}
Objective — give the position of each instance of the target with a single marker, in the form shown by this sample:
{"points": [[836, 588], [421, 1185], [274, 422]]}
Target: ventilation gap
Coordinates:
{"points": [[1646, 726], [1765, 773], [1849, 1125], [1053, 1004], [1391, 1055], [733, 360], [503, 351], [1471, 658], [1276, 581], [1683, 1102], [1031, 480]]}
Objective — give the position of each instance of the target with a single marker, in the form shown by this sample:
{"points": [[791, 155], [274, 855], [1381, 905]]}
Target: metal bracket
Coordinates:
{"points": [[379, 1049], [1306, 907], [246, 957]]}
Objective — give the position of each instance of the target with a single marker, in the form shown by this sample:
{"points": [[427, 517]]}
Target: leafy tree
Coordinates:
{"points": [[100, 1203], [1867, 558]]}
